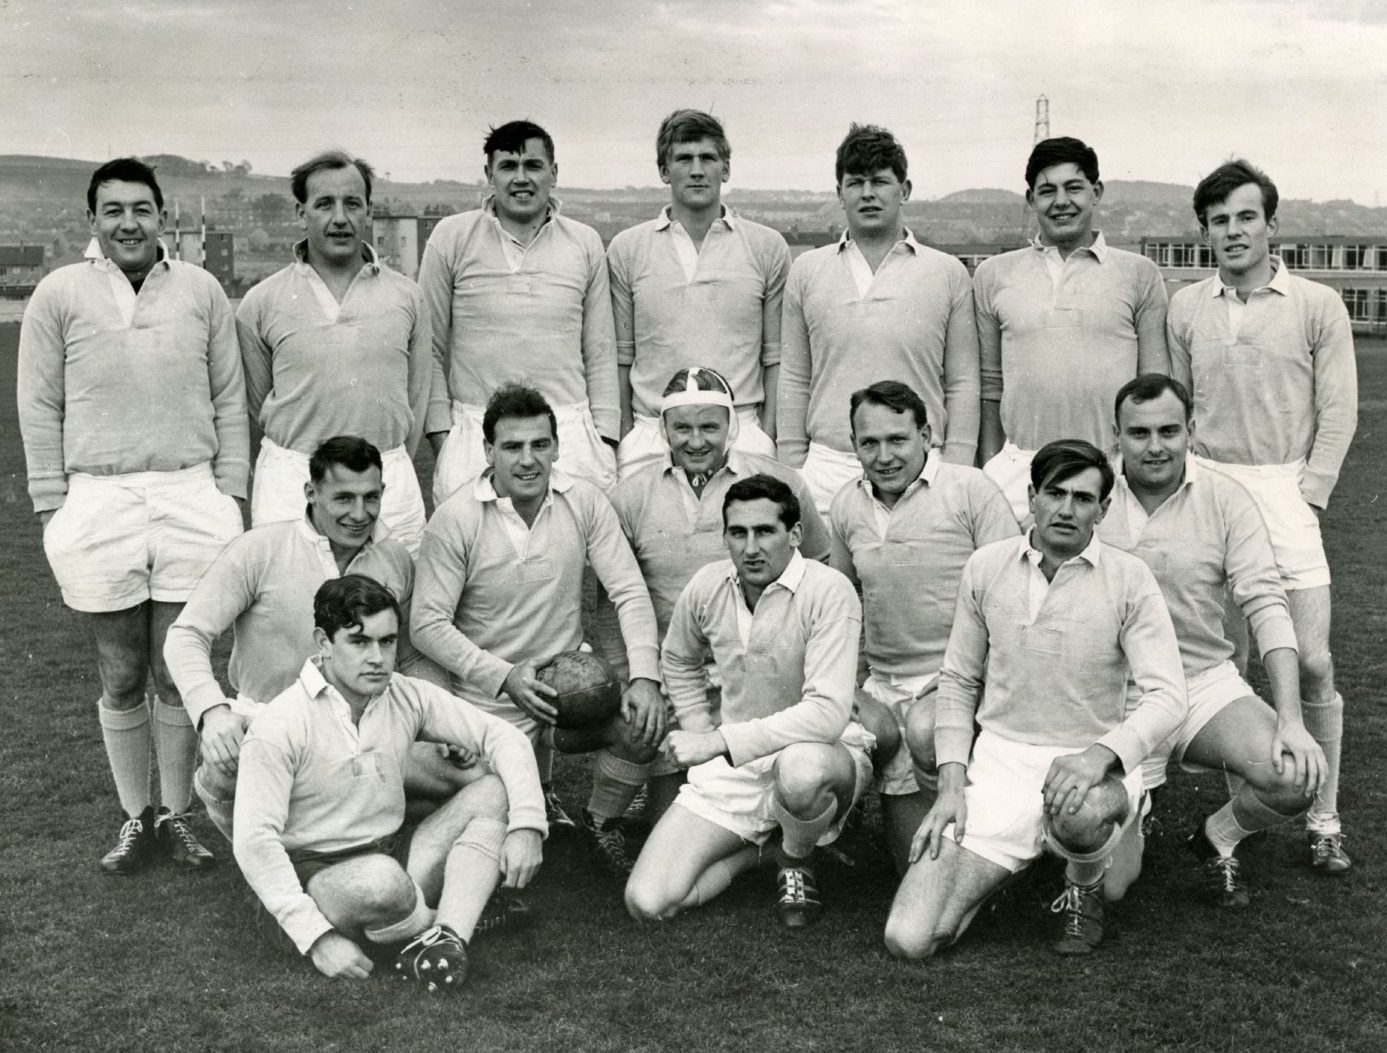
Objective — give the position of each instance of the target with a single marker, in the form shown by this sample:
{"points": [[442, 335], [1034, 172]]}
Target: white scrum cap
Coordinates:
{"points": [[688, 390]]}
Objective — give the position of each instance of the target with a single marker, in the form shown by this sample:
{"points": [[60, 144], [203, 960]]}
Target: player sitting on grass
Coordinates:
{"points": [[783, 633], [321, 801], [1053, 624]]}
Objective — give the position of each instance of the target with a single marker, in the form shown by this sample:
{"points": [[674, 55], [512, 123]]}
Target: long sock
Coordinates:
{"points": [[470, 874], [1223, 829], [1086, 873], [544, 760], [615, 783], [128, 743], [799, 836], [1325, 722], [175, 743], [716, 878], [412, 924]]}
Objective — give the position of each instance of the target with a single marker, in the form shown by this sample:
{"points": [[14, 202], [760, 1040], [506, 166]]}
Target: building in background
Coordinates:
{"points": [[21, 267], [216, 254], [400, 234]]}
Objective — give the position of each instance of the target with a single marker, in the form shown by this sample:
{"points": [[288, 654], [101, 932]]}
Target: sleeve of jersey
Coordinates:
{"points": [[436, 283], [1336, 404], [773, 305], [439, 578], [616, 567], [1152, 353], [993, 518], [599, 347], [961, 675], [224, 591], [42, 398], [255, 353], [792, 392], [264, 781], [989, 338], [1177, 336], [1253, 578], [1153, 656], [231, 463], [420, 373], [681, 661], [962, 383], [830, 680], [505, 749], [623, 301]]}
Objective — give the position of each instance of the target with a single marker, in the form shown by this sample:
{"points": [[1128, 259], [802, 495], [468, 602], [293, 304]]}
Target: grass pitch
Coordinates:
{"points": [[166, 961]]}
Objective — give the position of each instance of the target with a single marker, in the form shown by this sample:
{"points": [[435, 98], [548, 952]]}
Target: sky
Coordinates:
{"points": [[1164, 89]]}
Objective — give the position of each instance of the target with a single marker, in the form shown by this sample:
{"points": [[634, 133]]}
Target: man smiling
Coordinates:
{"points": [[1062, 323], [877, 305], [335, 344], [133, 413], [518, 292]]}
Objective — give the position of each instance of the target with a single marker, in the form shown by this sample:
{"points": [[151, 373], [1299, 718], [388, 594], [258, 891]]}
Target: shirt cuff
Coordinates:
{"points": [[1128, 747], [439, 417], [625, 353], [1316, 487], [304, 923], [490, 674], [644, 662], [1273, 631], [952, 746], [745, 742], [528, 818], [198, 701]]}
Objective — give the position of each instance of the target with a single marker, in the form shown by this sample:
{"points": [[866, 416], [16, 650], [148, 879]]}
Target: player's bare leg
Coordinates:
{"points": [[1323, 711], [685, 863], [938, 899], [906, 812], [814, 786]]}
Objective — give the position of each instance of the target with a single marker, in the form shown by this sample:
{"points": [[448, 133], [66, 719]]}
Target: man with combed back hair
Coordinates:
{"points": [[700, 285], [1062, 323], [1054, 624], [318, 819], [783, 752], [1202, 536], [1268, 357], [133, 412], [518, 293], [902, 533], [875, 305], [336, 344], [671, 513]]}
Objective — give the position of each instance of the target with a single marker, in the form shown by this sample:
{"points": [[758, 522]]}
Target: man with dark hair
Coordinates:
{"points": [[783, 750], [1268, 357], [1055, 626], [901, 533], [132, 409], [336, 344], [500, 576], [518, 292], [1063, 323], [700, 285], [318, 821], [671, 513], [876, 304], [1202, 536], [259, 588]]}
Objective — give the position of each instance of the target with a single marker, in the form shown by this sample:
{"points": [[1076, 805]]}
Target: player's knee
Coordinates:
{"points": [[905, 939], [487, 797], [644, 900], [804, 774], [384, 891], [919, 736], [879, 720], [122, 684], [627, 744], [1316, 671]]}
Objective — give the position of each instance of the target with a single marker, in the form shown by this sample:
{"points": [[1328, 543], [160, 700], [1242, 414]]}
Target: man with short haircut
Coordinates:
{"points": [[318, 819], [902, 533], [1053, 624], [259, 587], [336, 344], [671, 512], [1268, 358], [1063, 323], [783, 752], [498, 590], [518, 292], [700, 285], [1201, 534], [877, 304], [132, 408]]}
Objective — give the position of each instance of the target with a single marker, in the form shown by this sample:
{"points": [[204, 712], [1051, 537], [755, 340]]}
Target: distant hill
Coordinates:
{"points": [[988, 196]]}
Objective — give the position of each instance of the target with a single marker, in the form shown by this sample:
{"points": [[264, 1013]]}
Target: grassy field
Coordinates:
{"points": [[166, 961]]}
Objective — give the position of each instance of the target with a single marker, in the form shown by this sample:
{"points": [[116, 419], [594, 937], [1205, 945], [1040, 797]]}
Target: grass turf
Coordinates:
{"points": [[167, 961]]}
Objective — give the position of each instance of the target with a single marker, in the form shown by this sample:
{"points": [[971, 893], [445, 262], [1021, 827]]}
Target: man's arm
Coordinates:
{"points": [[1336, 404], [436, 284], [1253, 580], [42, 398], [991, 437], [599, 347], [1177, 338], [681, 664], [624, 325], [777, 268], [992, 517], [961, 675], [256, 356], [420, 376], [616, 568], [792, 394], [1152, 354], [830, 681], [231, 463], [962, 372], [262, 807]]}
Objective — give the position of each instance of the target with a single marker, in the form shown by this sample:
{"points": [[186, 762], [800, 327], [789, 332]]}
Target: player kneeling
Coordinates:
{"points": [[320, 803], [783, 633]]}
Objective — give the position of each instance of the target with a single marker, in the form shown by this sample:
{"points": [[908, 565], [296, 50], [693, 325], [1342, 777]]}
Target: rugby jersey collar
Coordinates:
{"points": [[728, 219], [1098, 248], [369, 257]]}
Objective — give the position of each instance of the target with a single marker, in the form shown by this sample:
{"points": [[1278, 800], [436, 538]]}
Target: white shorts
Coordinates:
{"points": [[277, 491], [1011, 471], [1210, 692], [896, 693], [1005, 799], [644, 444], [582, 453], [1292, 523], [119, 540], [826, 471], [742, 799]]}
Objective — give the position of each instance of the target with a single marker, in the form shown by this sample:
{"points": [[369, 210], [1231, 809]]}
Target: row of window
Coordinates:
{"points": [[1366, 305], [1297, 255]]}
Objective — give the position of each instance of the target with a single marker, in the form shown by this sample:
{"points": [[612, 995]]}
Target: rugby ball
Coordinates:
{"points": [[589, 691]]}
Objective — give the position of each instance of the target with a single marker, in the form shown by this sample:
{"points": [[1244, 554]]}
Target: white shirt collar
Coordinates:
{"points": [[907, 239], [485, 489], [1280, 281], [379, 532], [93, 252], [927, 475], [368, 256], [1098, 248], [790, 577], [665, 220], [1090, 554]]}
